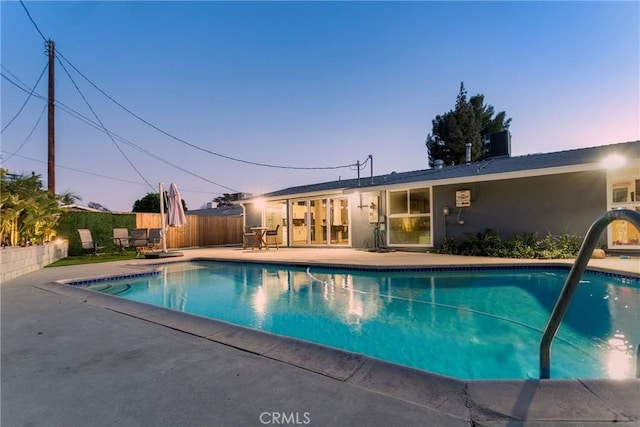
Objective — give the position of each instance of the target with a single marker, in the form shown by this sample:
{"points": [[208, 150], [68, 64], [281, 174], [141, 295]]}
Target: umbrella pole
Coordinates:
{"points": [[162, 218]]}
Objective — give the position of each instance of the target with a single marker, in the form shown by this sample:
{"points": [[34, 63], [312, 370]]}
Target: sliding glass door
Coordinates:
{"points": [[275, 215], [299, 222], [339, 215], [320, 221]]}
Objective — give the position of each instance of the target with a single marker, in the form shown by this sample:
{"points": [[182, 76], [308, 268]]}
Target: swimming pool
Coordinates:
{"points": [[468, 323]]}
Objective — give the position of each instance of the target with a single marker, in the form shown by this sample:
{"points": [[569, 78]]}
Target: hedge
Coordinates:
{"points": [[101, 225]]}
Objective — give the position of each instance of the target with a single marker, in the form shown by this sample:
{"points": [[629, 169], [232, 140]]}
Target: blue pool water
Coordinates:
{"points": [[469, 324]]}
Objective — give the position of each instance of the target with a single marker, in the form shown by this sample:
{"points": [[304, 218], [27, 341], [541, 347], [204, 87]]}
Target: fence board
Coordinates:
{"points": [[198, 230]]}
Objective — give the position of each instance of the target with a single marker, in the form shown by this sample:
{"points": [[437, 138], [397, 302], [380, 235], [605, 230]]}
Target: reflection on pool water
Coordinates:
{"points": [[469, 324]]}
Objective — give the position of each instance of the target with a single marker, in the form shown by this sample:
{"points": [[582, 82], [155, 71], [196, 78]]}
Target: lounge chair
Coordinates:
{"points": [[139, 240], [248, 238], [155, 238], [272, 233], [88, 245], [121, 239]]}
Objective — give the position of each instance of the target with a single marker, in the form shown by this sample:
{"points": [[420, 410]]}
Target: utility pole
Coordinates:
{"points": [[51, 159]]}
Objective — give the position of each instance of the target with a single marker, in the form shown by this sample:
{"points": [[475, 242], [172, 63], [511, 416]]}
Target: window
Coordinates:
{"points": [[398, 202], [410, 217], [623, 194]]}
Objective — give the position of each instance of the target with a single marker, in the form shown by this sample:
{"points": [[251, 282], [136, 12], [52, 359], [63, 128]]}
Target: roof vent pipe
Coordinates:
{"points": [[467, 155], [437, 164]]}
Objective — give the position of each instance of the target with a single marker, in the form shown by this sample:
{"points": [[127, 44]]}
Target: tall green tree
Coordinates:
{"points": [[151, 203], [466, 123], [485, 116]]}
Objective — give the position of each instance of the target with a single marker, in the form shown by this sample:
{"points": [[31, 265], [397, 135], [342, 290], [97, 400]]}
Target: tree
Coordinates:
{"points": [[466, 123], [224, 200], [484, 116], [28, 212], [98, 206], [68, 198], [151, 203]]}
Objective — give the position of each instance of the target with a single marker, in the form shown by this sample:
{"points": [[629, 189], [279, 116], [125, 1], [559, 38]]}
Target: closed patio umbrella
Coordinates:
{"points": [[175, 216]]}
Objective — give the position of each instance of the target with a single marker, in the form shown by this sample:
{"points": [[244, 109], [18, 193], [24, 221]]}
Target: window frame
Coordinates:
{"points": [[628, 181], [408, 215]]}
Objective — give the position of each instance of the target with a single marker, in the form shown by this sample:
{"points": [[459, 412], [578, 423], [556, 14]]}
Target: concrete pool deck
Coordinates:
{"points": [[76, 358]]}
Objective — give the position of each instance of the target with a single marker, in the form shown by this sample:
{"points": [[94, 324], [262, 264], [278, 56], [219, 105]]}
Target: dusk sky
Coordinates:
{"points": [[299, 85]]}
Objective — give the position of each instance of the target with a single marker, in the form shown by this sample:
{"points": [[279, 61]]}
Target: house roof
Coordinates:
{"points": [[79, 208], [487, 169], [233, 210]]}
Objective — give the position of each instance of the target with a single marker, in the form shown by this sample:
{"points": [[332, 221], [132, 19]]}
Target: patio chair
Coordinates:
{"points": [[272, 233], [155, 238], [88, 245], [248, 238], [139, 240], [121, 239]]}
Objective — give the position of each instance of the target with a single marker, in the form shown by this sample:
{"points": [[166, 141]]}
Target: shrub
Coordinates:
{"points": [[449, 246], [101, 225], [562, 246], [523, 246], [487, 243], [526, 245], [28, 212]]}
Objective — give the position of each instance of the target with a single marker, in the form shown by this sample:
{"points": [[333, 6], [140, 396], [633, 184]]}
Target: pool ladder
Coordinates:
{"points": [[573, 279]]}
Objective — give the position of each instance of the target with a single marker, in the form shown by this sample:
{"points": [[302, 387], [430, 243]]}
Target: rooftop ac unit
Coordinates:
{"points": [[497, 144]]}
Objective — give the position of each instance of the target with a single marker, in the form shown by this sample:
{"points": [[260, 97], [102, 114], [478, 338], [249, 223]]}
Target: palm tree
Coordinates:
{"points": [[28, 213], [68, 198]]}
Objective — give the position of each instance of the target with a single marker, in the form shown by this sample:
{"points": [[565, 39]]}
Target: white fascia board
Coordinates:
{"points": [[313, 194]]}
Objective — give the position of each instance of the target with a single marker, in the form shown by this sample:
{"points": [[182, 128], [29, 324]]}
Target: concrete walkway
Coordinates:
{"points": [[71, 357]]}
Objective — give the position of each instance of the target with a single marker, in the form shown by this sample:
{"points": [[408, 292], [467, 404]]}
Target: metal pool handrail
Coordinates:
{"points": [[573, 279]]}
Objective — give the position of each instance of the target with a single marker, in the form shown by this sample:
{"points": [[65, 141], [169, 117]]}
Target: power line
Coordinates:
{"points": [[89, 122], [32, 21], [101, 176], [102, 126], [75, 114], [26, 100], [62, 106], [190, 144], [15, 77], [76, 170], [155, 127], [30, 133]]}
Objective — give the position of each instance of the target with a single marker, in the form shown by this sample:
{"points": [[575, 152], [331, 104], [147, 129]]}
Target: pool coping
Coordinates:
{"points": [[602, 400]]}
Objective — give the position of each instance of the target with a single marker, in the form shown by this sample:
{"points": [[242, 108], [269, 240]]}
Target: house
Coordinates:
{"points": [[547, 193]]}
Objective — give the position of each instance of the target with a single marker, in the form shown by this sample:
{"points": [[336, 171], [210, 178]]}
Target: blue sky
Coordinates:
{"points": [[303, 84]]}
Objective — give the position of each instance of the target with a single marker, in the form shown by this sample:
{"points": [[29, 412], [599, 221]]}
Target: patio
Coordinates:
{"points": [[74, 358]]}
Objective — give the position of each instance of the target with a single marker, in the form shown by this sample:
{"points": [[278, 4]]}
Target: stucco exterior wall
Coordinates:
{"points": [[551, 204], [362, 232], [556, 204], [252, 215]]}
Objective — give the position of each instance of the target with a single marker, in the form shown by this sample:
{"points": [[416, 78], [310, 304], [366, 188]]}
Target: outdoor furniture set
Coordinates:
{"points": [[142, 239], [257, 237]]}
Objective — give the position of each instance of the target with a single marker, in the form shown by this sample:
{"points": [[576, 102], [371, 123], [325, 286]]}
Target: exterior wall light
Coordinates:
{"points": [[613, 161]]}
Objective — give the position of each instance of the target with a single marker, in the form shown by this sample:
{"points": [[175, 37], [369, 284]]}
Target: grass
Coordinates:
{"points": [[90, 259]]}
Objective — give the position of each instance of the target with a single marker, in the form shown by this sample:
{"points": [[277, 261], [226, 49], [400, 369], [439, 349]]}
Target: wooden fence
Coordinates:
{"points": [[198, 231]]}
